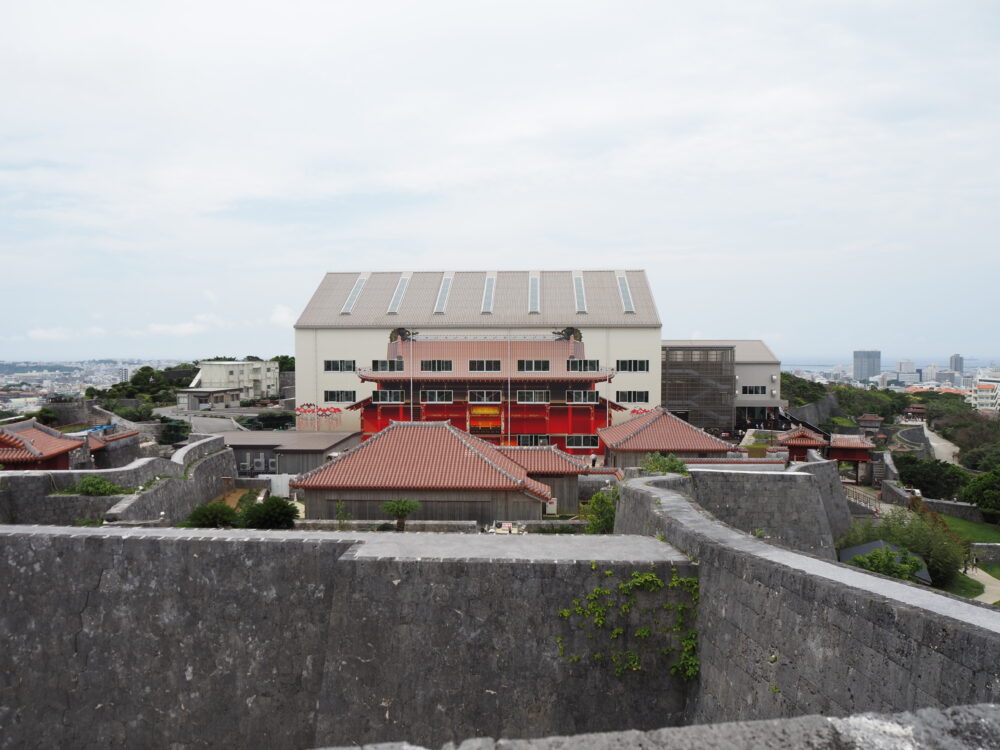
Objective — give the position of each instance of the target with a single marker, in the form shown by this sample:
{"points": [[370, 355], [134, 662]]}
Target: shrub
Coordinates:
{"points": [[273, 513], [97, 487], [211, 516], [660, 464], [600, 511], [934, 478], [889, 562], [400, 509], [174, 431], [984, 491], [921, 533]]}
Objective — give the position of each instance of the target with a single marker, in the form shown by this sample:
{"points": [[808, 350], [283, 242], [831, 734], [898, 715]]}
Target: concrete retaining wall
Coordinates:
{"points": [[786, 507], [986, 552], [786, 634], [202, 638], [959, 510]]}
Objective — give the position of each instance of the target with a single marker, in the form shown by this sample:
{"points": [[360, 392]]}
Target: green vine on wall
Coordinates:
{"points": [[628, 625]]}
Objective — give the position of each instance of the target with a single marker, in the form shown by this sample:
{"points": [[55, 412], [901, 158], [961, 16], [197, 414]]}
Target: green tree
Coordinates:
{"points": [[600, 511], [400, 509], [660, 464], [932, 477], [984, 491], [800, 391], [273, 513], [889, 562], [286, 363], [44, 416], [174, 431], [215, 515]]}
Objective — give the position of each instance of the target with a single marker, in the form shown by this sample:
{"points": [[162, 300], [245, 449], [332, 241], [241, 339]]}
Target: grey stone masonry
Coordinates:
{"points": [[144, 637], [785, 634], [786, 507], [958, 728], [831, 492]]}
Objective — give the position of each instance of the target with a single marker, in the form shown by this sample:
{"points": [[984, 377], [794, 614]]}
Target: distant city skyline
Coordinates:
{"points": [[795, 173]]}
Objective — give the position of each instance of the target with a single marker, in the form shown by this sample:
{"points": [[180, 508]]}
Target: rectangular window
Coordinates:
{"points": [[581, 397], [387, 397], [534, 295], [583, 365], [632, 365], [442, 298], [632, 397], [488, 288], [581, 441], [531, 441], [397, 297], [532, 365], [755, 390], [436, 397], [352, 297], [435, 365], [626, 294], [484, 397], [532, 397], [387, 365], [581, 295], [340, 396], [338, 365], [484, 365]]}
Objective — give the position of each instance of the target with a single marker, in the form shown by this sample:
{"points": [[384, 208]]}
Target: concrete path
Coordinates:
{"points": [[943, 450], [992, 592]]}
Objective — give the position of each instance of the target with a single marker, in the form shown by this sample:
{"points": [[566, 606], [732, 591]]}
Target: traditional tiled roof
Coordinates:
{"points": [[659, 430], [851, 441], [547, 459], [485, 299], [424, 456], [801, 436], [29, 441], [98, 441], [871, 418]]}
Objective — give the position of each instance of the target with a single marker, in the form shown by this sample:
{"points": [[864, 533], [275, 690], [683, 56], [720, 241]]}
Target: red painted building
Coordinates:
{"points": [[31, 445], [508, 390]]}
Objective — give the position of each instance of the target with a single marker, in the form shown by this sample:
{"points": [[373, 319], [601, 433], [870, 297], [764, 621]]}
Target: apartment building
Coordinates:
{"points": [[254, 379], [351, 318]]}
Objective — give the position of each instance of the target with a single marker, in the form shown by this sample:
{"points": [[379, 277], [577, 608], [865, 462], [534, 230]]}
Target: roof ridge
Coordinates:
{"points": [[652, 414], [459, 434]]}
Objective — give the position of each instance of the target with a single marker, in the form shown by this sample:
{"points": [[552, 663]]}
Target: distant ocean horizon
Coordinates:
{"points": [[821, 364]]}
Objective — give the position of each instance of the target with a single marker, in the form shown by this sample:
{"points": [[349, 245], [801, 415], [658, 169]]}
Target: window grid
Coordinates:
{"points": [[484, 365], [581, 441], [340, 397], [397, 297], [582, 397], [388, 365], [435, 365], [532, 365], [532, 397], [631, 397], [437, 397], [485, 397], [387, 397], [632, 365], [583, 365], [338, 365]]}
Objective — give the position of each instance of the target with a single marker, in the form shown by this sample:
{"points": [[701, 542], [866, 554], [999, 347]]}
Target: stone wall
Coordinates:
{"points": [[204, 638], [786, 634], [786, 508], [986, 552], [958, 728], [69, 412], [149, 430], [831, 492], [959, 510], [819, 411]]}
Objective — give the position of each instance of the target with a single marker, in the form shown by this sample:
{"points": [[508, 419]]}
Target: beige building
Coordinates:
{"points": [[254, 379], [347, 324]]}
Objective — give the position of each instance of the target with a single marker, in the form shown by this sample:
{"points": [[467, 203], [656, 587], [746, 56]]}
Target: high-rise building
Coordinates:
{"points": [[906, 366], [123, 375], [956, 363], [867, 364]]}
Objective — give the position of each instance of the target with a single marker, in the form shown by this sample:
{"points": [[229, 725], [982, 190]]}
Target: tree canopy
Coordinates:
{"points": [[934, 478]]}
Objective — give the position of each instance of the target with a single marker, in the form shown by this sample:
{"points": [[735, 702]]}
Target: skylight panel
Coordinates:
{"points": [[534, 295], [581, 295], [488, 288], [397, 297], [353, 296], [626, 294], [442, 298]]}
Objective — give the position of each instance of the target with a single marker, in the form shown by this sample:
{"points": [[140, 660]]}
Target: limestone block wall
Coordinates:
{"points": [[786, 507], [787, 634], [831, 492], [142, 637]]}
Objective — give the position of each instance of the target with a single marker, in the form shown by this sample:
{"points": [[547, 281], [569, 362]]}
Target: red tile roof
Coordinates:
{"points": [[871, 418], [28, 442], [547, 459], [425, 456], [801, 436], [851, 441], [659, 430], [99, 441]]}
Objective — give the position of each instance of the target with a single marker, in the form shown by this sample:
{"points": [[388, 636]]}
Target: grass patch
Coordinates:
{"points": [[976, 532], [965, 586], [73, 427], [993, 568]]}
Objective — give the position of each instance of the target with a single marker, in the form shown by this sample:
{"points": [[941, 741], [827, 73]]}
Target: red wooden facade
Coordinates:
{"points": [[517, 390]]}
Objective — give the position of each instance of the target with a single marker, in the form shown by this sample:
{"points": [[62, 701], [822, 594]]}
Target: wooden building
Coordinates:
{"points": [[32, 445], [658, 431], [799, 441], [454, 476]]}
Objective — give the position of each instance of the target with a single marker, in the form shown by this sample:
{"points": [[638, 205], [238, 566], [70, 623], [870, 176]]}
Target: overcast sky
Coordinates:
{"points": [[176, 178]]}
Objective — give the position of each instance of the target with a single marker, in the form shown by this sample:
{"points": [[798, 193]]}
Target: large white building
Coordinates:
{"points": [[347, 324], [984, 395], [254, 379]]}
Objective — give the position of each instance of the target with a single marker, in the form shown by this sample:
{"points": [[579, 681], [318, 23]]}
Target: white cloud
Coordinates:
{"points": [[283, 316], [58, 333], [200, 324]]}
